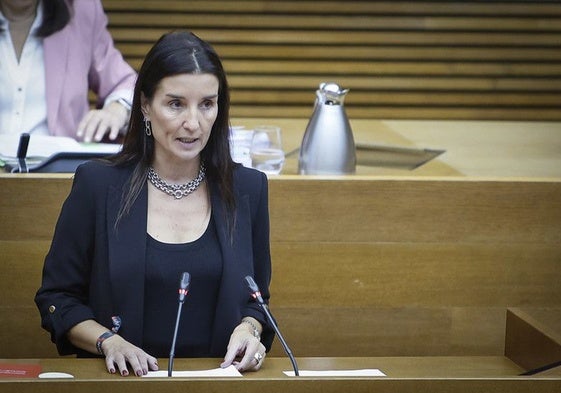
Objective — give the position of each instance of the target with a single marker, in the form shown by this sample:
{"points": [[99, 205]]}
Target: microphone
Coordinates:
{"points": [[256, 294], [22, 153], [183, 290]]}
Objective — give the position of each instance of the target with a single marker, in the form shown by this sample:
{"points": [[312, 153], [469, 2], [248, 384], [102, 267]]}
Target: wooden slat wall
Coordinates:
{"points": [[401, 59]]}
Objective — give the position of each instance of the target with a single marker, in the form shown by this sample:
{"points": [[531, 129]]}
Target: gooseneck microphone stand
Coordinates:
{"points": [[183, 290], [256, 294]]}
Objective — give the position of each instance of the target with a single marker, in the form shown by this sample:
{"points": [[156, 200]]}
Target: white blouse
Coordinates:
{"points": [[23, 102]]}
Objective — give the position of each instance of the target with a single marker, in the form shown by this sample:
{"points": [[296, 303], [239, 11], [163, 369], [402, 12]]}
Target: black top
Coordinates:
{"points": [[165, 263]]}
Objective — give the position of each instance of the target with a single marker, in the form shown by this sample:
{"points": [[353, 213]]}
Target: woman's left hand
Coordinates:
{"points": [[245, 345]]}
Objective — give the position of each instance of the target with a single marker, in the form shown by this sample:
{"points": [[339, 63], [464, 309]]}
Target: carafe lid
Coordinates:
{"points": [[330, 93]]}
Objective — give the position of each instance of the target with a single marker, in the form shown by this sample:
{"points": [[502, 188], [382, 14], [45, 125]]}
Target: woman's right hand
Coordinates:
{"points": [[118, 352]]}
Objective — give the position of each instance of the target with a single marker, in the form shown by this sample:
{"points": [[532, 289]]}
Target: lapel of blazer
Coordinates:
{"points": [[127, 254], [55, 49]]}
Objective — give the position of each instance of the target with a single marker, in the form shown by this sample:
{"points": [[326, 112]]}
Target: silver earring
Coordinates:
{"points": [[147, 127]]}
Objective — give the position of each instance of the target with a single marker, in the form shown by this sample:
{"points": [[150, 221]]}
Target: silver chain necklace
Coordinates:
{"points": [[177, 191]]}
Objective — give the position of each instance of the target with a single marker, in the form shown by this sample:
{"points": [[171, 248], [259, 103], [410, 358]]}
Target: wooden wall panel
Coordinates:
{"points": [[361, 266], [21, 336], [30, 205], [424, 275], [391, 331], [401, 59], [358, 209]]}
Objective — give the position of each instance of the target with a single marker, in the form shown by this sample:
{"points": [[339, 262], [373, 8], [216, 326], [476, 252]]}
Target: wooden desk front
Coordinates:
{"points": [[362, 266]]}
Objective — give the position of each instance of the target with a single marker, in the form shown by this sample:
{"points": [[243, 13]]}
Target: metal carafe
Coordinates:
{"points": [[328, 146]]}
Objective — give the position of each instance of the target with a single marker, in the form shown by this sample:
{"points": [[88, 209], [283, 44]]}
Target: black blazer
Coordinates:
{"points": [[95, 271]]}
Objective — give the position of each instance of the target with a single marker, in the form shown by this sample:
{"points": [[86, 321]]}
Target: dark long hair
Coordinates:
{"points": [[176, 53], [56, 15]]}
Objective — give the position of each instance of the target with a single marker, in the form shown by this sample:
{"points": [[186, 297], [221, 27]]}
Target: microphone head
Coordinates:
{"points": [[251, 284], [185, 280], [184, 286], [254, 289]]}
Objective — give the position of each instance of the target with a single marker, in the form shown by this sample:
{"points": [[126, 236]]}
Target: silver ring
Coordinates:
{"points": [[258, 357]]}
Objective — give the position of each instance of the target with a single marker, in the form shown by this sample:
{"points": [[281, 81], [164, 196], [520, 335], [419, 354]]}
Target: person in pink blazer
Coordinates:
{"points": [[79, 56]]}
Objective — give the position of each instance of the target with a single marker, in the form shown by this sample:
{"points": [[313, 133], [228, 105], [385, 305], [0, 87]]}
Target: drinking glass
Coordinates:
{"points": [[240, 144], [266, 150]]}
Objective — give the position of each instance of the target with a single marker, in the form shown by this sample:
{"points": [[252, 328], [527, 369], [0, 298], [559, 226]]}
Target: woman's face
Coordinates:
{"points": [[182, 113]]}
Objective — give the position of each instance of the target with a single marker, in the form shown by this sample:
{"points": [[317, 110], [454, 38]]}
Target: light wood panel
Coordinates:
{"points": [[30, 205], [407, 209], [365, 266], [374, 303], [362, 209], [21, 264], [401, 60], [390, 331], [398, 274]]}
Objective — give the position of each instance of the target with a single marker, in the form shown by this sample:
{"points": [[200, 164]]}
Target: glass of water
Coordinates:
{"points": [[266, 150], [240, 145]]}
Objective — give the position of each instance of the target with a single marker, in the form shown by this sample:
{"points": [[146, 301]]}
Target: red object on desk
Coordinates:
{"points": [[19, 370]]}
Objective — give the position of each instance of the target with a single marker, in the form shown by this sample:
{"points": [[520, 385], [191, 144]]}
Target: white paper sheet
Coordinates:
{"points": [[46, 146], [55, 374], [230, 371], [368, 372]]}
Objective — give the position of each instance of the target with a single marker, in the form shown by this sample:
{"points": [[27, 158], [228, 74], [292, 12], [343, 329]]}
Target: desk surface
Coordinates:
{"points": [[473, 148], [481, 149], [440, 374]]}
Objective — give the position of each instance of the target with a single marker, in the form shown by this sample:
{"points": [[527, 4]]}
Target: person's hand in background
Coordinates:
{"points": [[99, 122]]}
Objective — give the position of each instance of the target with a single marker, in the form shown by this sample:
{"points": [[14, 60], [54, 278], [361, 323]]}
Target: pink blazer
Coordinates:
{"points": [[79, 58]]}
